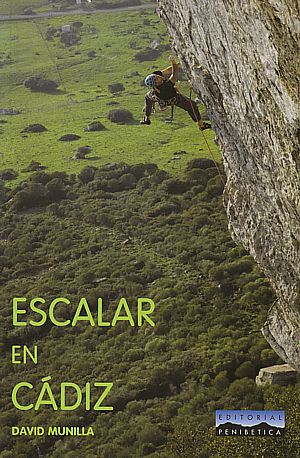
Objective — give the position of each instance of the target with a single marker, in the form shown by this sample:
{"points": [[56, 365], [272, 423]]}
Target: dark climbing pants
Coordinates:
{"points": [[181, 101]]}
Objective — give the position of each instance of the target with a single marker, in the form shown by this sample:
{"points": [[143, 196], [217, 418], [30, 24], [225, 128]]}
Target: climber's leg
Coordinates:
{"points": [[191, 107], [149, 102]]}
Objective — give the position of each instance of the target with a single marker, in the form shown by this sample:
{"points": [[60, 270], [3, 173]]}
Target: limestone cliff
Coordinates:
{"points": [[242, 58]]}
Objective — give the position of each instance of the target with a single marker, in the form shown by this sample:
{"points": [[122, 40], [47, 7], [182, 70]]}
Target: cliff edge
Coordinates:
{"points": [[243, 58]]}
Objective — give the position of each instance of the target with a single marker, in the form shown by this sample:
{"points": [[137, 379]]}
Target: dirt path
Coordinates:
{"points": [[22, 17]]}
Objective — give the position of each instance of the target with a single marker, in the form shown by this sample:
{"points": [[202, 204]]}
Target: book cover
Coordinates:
{"points": [[131, 319]]}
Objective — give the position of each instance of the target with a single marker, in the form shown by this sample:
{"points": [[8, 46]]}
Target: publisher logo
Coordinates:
{"points": [[250, 423]]}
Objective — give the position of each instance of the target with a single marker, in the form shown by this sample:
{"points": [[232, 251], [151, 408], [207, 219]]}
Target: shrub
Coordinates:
{"points": [[51, 32], [151, 434], [198, 176], [164, 209], [242, 387], [127, 181], [34, 128], [246, 369], [95, 126], [69, 138], [156, 346], [241, 265], [69, 38], [133, 354], [81, 152], [34, 166], [221, 381], [175, 186], [92, 54], [200, 163], [147, 54], [215, 187], [33, 196], [120, 116], [77, 25], [8, 174], [116, 87], [55, 190], [86, 175], [86, 278], [39, 84], [104, 219]]}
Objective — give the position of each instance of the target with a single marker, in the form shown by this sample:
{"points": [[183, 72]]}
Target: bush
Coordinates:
{"points": [[81, 152], [86, 175], [34, 166], [215, 187], [147, 54], [39, 84], [69, 38], [34, 128], [151, 434], [77, 25], [134, 354], [221, 381], [200, 163], [55, 190], [69, 138], [33, 196], [8, 174], [116, 87], [127, 181], [120, 116], [241, 265], [246, 369], [242, 387], [95, 126], [92, 54], [197, 176], [175, 186], [50, 33]]}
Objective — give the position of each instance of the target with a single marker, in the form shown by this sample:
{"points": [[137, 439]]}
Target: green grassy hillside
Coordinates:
{"points": [[84, 97], [17, 6], [41, 6]]}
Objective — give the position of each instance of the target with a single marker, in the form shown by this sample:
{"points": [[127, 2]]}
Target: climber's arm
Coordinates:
{"points": [[175, 71], [167, 72]]}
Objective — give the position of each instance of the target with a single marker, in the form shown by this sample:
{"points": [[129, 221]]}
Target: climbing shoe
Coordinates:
{"points": [[205, 126], [146, 121]]}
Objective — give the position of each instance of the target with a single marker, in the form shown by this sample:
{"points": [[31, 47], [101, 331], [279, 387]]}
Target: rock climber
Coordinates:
{"points": [[164, 92]]}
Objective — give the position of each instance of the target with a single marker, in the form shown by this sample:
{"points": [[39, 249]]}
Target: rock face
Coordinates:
{"points": [[242, 58], [280, 375]]}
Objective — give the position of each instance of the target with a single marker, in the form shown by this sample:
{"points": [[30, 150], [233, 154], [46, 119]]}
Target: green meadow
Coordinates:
{"points": [[15, 6], [84, 97]]}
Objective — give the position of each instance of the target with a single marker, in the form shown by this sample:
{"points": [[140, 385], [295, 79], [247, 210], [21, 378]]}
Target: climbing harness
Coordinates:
{"points": [[164, 104]]}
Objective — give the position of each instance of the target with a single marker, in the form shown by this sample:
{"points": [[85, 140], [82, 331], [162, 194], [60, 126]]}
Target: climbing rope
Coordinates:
{"points": [[207, 144]]}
